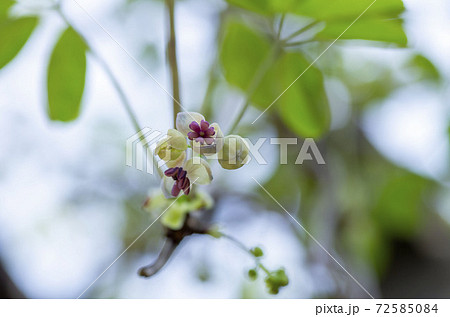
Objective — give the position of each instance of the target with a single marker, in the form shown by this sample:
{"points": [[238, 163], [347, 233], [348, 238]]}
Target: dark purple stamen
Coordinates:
{"points": [[202, 132], [182, 182]]}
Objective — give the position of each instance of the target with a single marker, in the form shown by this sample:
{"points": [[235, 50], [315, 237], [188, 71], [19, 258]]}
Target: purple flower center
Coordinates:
{"points": [[182, 182], [202, 133]]}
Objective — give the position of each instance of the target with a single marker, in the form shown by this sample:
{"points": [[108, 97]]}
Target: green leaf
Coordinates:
{"points": [[304, 106], [377, 21], [399, 208], [326, 10], [259, 6], [383, 30], [66, 77], [14, 33], [243, 50], [265, 6], [5, 5], [424, 68]]}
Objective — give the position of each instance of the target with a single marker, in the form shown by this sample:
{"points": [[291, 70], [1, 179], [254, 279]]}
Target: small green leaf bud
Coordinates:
{"points": [[257, 252], [252, 274]]}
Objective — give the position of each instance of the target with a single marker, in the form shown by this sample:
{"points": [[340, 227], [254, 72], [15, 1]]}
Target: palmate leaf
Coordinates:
{"points": [[66, 77], [382, 30], [379, 22], [326, 10], [242, 51], [303, 107], [14, 33]]}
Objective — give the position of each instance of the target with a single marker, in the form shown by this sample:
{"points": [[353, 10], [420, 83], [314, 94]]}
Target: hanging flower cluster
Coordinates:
{"points": [[185, 149], [185, 152]]}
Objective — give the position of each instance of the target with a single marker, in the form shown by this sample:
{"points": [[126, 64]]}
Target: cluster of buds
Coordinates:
{"points": [[274, 279], [185, 151]]}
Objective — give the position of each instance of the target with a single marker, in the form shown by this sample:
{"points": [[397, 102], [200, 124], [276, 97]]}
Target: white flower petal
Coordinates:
{"points": [[176, 139], [198, 171], [184, 119], [177, 162]]}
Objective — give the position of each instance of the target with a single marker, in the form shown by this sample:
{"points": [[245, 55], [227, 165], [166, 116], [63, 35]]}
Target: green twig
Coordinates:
{"points": [[123, 98], [280, 26], [172, 56], [264, 268], [298, 43], [238, 243], [206, 108]]}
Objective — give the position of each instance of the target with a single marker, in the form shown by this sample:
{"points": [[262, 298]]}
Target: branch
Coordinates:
{"points": [[7, 287], [194, 224], [163, 257]]}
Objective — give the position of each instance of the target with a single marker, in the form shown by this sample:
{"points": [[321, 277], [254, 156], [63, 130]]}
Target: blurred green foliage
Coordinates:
{"points": [[373, 201], [66, 77], [362, 198], [14, 33]]}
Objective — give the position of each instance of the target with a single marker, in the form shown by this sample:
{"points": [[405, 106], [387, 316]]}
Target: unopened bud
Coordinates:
{"points": [[235, 152]]}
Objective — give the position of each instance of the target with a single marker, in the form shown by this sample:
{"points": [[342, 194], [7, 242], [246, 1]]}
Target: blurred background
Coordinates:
{"points": [[376, 103]]}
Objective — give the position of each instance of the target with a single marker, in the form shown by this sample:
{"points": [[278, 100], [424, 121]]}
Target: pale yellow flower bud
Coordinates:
{"points": [[235, 152]]}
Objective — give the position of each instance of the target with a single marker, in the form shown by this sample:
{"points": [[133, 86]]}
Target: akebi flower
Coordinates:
{"points": [[180, 178], [172, 148], [182, 182], [184, 119], [206, 138], [201, 133]]}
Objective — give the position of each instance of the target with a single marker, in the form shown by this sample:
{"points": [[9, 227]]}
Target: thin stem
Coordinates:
{"points": [[123, 98], [254, 84], [241, 246], [172, 56], [127, 106], [280, 26], [238, 243], [291, 44], [302, 30], [120, 92], [264, 268], [108, 71], [206, 108]]}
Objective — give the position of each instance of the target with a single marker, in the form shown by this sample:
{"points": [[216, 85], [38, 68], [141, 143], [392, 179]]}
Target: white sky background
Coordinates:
{"points": [[53, 250]]}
